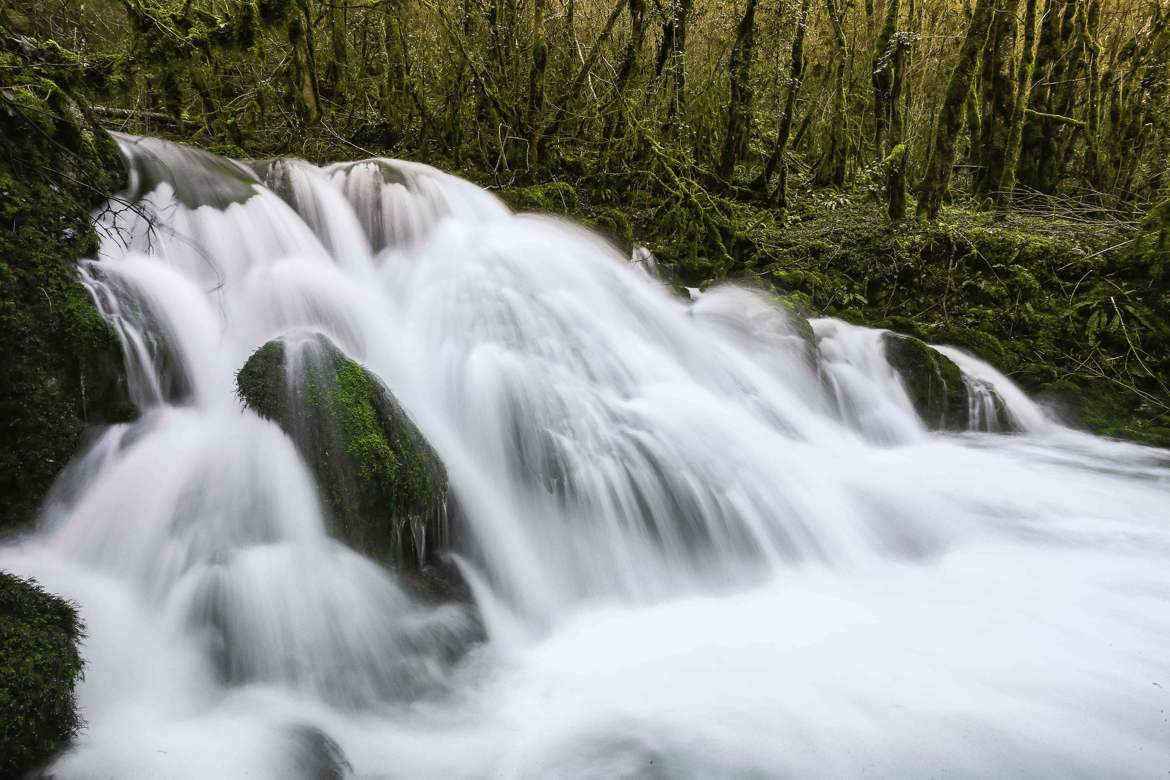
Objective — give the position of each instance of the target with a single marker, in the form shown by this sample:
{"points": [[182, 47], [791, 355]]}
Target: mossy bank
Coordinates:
{"points": [[62, 366]]}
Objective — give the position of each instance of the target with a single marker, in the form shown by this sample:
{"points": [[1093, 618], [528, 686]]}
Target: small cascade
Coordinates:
{"points": [[998, 397], [702, 538], [398, 203]]}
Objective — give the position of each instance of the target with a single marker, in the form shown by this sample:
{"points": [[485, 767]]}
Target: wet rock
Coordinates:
{"points": [[797, 318], [383, 486], [932, 381], [314, 755]]}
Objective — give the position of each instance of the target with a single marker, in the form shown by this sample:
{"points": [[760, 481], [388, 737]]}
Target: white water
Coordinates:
{"points": [[696, 551]]}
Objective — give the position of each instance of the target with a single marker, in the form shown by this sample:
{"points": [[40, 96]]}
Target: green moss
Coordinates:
{"points": [[39, 667], [1106, 409], [62, 368], [613, 224], [982, 345], [556, 197], [933, 382], [261, 382], [384, 486]]}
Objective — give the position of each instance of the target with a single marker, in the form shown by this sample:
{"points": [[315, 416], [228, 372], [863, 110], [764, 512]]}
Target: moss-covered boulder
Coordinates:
{"points": [[933, 382], [384, 487], [62, 367], [39, 667]]}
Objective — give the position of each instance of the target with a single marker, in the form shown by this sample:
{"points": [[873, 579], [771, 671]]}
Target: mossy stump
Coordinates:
{"points": [[932, 381], [383, 486], [39, 666]]}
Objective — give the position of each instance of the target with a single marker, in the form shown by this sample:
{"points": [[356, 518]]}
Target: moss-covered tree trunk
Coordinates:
{"points": [[339, 54], [1090, 20], [1038, 167], [739, 108], [1068, 110], [536, 75], [615, 125], [937, 176], [1017, 118], [304, 77], [777, 161], [888, 87], [831, 170], [676, 64], [1139, 108], [882, 76], [997, 86]]}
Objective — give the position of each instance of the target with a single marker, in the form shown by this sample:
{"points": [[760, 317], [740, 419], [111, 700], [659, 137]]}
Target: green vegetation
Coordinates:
{"points": [[62, 367], [384, 487], [39, 666]]}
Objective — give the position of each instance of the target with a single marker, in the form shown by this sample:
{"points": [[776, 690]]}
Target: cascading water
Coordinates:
{"points": [[702, 543]]}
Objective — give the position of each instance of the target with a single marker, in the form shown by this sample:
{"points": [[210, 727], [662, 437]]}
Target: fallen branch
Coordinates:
{"points": [[134, 113]]}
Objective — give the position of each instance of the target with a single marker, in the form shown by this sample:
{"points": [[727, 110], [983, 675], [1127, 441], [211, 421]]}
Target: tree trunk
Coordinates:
{"points": [[888, 89], [882, 75], [997, 88], [937, 176], [1090, 20], [831, 171], [339, 60], [304, 79], [739, 109], [777, 162], [1017, 119], [675, 65], [536, 75], [615, 126], [1055, 71]]}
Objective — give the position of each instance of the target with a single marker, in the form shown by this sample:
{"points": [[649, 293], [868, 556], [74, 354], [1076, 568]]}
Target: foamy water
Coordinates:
{"points": [[699, 547]]}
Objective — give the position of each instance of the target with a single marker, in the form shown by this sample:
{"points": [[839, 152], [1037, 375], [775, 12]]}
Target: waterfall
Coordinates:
{"points": [[704, 538]]}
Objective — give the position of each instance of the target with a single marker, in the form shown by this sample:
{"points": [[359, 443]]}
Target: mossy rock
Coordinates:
{"points": [[556, 197], [933, 382], [384, 487], [983, 345], [62, 368], [39, 667]]}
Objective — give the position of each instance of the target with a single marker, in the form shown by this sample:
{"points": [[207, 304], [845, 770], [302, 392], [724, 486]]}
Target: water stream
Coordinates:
{"points": [[700, 544]]}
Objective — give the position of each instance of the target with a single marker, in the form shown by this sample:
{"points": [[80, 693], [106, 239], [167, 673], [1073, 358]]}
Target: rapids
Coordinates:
{"points": [[698, 546]]}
